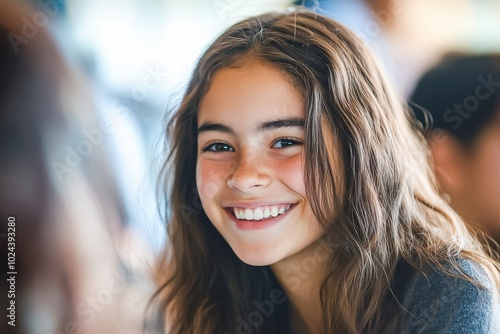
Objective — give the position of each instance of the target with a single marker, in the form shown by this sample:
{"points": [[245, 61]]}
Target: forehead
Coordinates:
{"points": [[249, 93]]}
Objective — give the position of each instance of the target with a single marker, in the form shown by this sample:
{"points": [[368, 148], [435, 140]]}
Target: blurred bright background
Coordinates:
{"points": [[137, 55]]}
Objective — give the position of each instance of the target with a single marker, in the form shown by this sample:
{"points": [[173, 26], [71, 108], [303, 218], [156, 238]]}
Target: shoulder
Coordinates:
{"points": [[435, 302]]}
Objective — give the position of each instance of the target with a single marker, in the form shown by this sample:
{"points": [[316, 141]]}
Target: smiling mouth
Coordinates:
{"points": [[260, 213]]}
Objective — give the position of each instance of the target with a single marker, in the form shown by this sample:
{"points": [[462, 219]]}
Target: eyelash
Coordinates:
{"points": [[294, 142], [208, 148]]}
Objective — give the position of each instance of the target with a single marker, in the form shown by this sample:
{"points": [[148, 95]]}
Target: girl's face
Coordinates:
{"points": [[250, 166]]}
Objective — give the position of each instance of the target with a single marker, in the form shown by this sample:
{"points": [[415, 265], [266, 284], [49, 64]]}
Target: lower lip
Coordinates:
{"points": [[249, 225]]}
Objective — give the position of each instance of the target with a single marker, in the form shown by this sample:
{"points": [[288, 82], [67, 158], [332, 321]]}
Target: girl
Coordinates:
{"points": [[301, 200]]}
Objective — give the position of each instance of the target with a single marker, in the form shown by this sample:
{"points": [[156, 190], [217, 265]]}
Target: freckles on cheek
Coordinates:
{"points": [[292, 173], [209, 179]]}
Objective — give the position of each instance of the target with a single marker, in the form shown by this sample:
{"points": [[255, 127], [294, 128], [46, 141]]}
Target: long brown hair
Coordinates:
{"points": [[385, 210]]}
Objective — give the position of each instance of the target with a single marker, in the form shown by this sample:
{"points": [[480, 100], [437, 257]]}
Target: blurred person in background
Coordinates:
{"points": [[56, 183], [462, 96]]}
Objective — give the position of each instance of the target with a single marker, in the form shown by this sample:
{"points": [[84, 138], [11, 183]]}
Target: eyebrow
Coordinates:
{"points": [[265, 126]]}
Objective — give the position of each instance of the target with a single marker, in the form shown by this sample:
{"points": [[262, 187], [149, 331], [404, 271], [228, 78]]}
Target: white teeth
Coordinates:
{"points": [[274, 211], [260, 213], [248, 214]]}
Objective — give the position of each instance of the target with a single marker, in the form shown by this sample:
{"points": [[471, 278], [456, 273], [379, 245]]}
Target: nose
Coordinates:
{"points": [[249, 173]]}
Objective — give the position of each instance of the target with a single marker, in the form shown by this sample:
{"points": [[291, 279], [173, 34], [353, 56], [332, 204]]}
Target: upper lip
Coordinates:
{"points": [[253, 205]]}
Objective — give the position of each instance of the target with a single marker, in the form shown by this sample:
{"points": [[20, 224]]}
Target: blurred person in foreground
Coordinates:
{"points": [[462, 97], [56, 184]]}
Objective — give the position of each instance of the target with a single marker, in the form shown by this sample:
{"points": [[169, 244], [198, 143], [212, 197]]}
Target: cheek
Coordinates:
{"points": [[291, 173], [488, 172], [492, 167], [211, 178]]}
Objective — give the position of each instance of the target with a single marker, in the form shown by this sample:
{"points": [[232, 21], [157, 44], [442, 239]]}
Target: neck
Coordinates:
{"points": [[300, 277]]}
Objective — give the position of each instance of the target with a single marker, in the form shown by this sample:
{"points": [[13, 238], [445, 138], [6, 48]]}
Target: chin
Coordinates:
{"points": [[258, 259]]}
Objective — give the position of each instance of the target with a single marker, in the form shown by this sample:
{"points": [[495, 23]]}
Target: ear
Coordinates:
{"points": [[449, 161]]}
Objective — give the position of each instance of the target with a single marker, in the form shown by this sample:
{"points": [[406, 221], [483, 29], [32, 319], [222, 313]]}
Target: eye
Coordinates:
{"points": [[218, 147], [286, 142]]}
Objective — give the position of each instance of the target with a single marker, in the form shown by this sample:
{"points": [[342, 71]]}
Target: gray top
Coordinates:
{"points": [[438, 303]]}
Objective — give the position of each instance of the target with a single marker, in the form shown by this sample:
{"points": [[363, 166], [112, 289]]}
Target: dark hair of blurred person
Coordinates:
{"points": [[462, 97]]}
